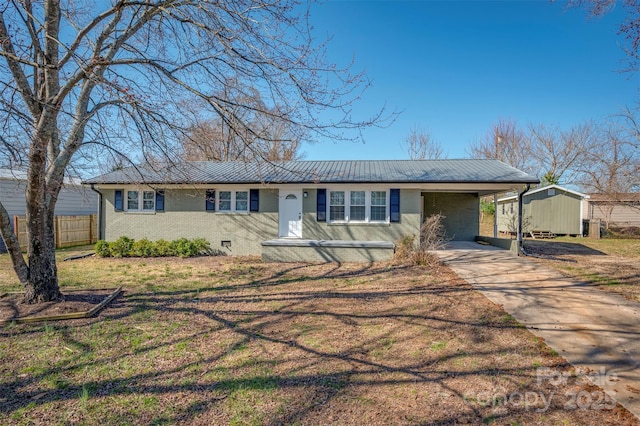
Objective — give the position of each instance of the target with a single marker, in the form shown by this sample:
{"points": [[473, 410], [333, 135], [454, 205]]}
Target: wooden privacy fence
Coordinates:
{"points": [[69, 230]]}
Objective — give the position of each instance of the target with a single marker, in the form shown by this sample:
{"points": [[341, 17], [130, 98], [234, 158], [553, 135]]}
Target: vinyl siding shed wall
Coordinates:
{"points": [[72, 200]]}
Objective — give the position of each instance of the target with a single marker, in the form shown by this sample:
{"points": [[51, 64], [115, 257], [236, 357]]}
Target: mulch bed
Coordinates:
{"points": [[12, 306]]}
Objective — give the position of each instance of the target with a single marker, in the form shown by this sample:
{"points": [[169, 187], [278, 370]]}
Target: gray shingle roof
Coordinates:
{"points": [[359, 171]]}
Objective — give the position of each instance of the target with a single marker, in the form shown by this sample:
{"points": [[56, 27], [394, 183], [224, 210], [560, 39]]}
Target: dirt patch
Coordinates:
{"points": [[12, 307]]}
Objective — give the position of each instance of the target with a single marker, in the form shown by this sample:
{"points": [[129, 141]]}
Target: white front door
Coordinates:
{"points": [[290, 213]]}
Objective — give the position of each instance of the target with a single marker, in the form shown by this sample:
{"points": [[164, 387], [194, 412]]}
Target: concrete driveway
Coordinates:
{"points": [[592, 329]]}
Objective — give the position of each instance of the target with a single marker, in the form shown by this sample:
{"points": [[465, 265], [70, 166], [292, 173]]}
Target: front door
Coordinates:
{"points": [[290, 213]]}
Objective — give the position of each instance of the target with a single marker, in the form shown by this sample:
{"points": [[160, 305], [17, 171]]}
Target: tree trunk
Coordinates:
{"points": [[42, 285]]}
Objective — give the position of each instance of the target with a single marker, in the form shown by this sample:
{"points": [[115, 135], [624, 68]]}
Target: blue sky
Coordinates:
{"points": [[455, 67]]}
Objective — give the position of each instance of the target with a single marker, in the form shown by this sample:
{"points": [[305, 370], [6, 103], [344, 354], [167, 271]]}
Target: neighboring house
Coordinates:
{"points": [[300, 210], [550, 209], [74, 199], [619, 209]]}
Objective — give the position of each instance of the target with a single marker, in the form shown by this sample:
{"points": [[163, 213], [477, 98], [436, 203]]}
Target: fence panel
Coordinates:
{"points": [[69, 230]]}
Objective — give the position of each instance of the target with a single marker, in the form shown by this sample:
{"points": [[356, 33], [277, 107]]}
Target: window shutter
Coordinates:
{"points": [[321, 205], [394, 199], [160, 200], [117, 202], [211, 200], [254, 196]]}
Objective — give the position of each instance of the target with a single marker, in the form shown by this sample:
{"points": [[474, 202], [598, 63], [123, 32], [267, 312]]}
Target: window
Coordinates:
{"points": [[132, 200], [358, 206], [336, 206], [224, 201], [231, 201], [242, 201], [148, 200], [141, 200], [378, 206]]}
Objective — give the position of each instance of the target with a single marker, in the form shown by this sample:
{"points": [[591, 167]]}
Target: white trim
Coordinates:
{"points": [[533, 191], [233, 200], [140, 191]]}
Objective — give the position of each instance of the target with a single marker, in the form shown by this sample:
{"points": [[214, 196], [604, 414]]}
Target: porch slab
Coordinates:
{"points": [[299, 250]]}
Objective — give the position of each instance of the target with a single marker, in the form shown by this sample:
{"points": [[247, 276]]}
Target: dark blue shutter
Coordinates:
{"points": [[321, 205], [117, 202], [394, 198], [160, 201], [211, 200], [254, 196]]}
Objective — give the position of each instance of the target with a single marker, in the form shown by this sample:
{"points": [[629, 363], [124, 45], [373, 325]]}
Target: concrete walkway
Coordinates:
{"points": [[589, 327]]}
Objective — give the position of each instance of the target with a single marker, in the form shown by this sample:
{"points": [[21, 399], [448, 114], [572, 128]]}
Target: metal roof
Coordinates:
{"points": [[544, 188], [357, 171]]}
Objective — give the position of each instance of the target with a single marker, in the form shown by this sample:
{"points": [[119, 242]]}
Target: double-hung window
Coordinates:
{"points": [[224, 201], [232, 201], [357, 209], [141, 200], [336, 206], [378, 206], [358, 206], [242, 201]]}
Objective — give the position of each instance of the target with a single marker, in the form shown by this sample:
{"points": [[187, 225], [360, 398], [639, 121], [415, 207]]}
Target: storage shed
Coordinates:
{"points": [[550, 210]]}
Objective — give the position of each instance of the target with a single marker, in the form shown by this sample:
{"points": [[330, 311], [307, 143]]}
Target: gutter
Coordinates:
{"points": [[519, 230], [100, 237]]}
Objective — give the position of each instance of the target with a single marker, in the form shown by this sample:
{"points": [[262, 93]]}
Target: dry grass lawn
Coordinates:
{"points": [[611, 264], [237, 341]]}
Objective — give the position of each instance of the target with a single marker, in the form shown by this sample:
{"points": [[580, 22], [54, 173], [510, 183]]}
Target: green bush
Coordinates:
{"points": [[144, 248], [202, 246], [122, 247], [163, 248], [103, 248], [127, 247]]}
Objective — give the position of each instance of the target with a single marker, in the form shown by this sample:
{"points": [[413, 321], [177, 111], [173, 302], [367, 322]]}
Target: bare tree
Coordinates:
{"points": [[560, 155], [613, 168], [630, 28], [83, 78], [505, 142], [263, 133], [421, 145]]}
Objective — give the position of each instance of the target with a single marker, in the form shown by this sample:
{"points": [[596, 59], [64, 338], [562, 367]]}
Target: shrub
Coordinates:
{"points": [[127, 247], [163, 248], [122, 247], [144, 248], [432, 237], [202, 246], [432, 233], [182, 247], [103, 248], [405, 246]]}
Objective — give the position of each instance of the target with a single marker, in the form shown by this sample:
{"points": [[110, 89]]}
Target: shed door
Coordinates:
{"points": [[290, 214]]}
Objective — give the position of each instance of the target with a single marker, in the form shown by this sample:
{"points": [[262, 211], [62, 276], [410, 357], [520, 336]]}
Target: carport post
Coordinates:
{"points": [[519, 230]]}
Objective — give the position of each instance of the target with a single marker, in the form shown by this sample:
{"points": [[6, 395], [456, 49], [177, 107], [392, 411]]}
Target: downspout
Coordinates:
{"points": [[495, 215], [99, 211], [519, 230]]}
